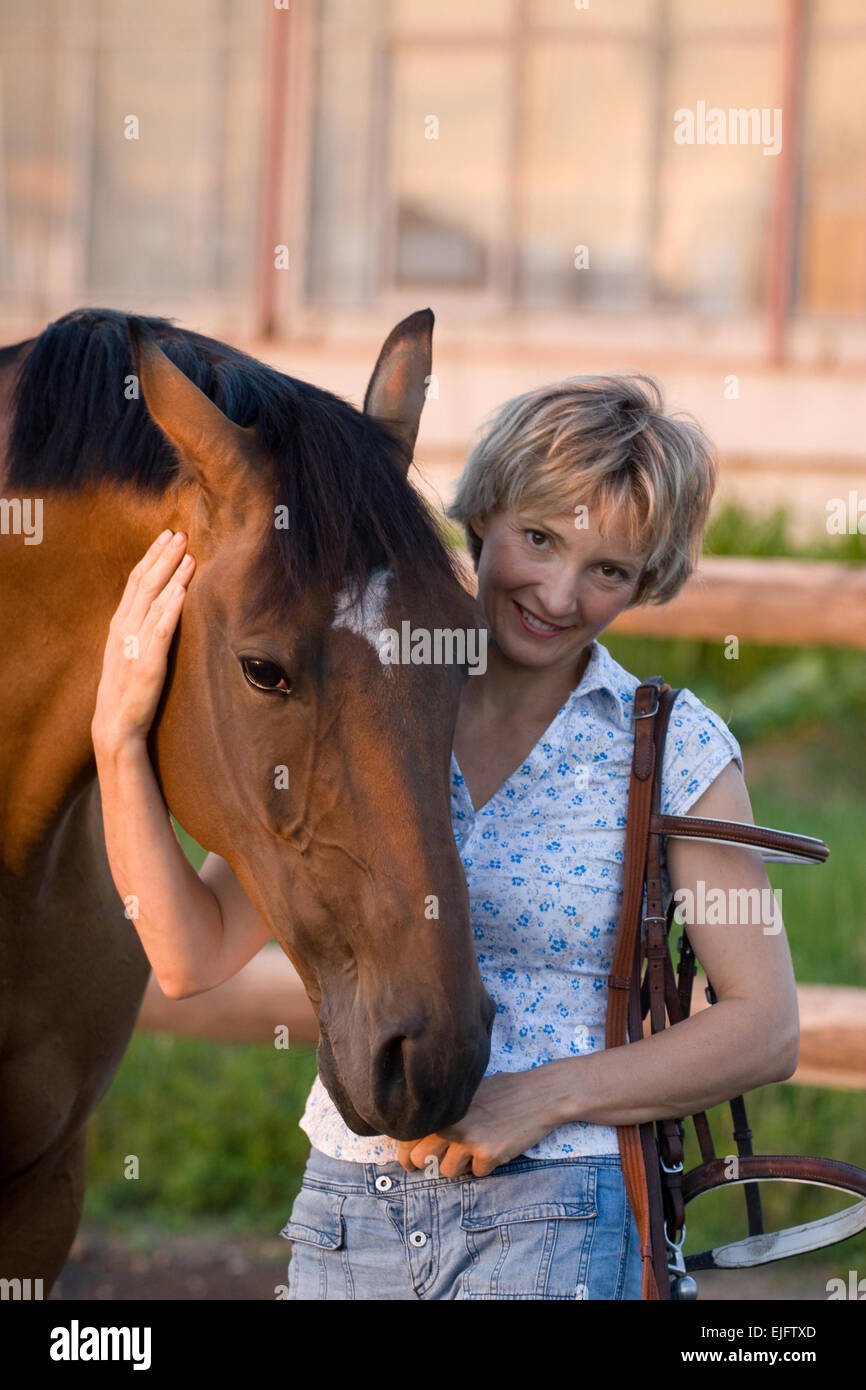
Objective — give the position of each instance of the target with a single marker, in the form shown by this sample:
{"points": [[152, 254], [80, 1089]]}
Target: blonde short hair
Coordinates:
{"points": [[606, 442]]}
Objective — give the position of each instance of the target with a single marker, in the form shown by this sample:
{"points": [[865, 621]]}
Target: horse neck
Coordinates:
{"points": [[58, 598]]}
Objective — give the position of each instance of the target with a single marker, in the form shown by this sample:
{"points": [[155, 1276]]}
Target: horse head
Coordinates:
{"points": [[286, 745]]}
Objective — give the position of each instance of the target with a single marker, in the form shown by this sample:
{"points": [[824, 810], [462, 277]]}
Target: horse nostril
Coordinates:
{"points": [[391, 1060], [394, 1055], [390, 1080]]}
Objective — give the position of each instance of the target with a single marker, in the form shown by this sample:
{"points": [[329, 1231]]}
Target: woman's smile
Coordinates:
{"points": [[536, 625]]}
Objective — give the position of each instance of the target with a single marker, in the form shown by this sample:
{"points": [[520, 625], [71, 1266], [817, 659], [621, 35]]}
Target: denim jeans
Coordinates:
{"points": [[531, 1229]]}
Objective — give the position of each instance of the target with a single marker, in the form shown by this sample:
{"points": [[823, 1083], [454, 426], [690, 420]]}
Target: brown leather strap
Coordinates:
{"points": [[762, 1248], [782, 846], [665, 1160], [777, 846], [825, 1172], [626, 959], [743, 1139], [652, 1156]]}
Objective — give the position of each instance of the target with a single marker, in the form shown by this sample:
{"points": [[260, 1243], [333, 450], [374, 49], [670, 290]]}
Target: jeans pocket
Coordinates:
{"points": [[529, 1234], [317, 1269]]}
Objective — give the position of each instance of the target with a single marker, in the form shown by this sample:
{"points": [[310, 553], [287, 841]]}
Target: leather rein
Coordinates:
{"points": [[652, 1153]]}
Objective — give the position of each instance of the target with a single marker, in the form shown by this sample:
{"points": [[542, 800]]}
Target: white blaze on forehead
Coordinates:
{"points": [[365, 615]]}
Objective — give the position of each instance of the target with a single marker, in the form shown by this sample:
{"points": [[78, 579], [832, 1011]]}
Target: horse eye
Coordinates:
{"points": [[265, 675]]}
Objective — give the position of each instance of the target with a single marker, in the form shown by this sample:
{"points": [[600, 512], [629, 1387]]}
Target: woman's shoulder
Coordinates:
{"points": [[698, 746]]}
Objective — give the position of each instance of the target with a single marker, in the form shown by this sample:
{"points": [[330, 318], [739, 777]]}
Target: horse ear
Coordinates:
{"points": [[398, 386], [213, 449]]}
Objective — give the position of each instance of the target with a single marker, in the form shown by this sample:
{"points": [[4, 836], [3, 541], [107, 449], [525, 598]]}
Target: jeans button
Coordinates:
{"points": [[384, 1183], [417, 1238]]}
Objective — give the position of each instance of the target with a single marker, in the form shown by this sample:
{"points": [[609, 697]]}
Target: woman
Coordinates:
{"points": [[580, 500]]}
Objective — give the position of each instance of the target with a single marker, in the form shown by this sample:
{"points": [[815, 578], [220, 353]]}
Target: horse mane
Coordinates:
{"points": [[340, 473]]}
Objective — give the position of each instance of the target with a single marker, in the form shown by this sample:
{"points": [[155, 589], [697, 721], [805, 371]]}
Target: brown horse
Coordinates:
{"points": [[282, 742]]}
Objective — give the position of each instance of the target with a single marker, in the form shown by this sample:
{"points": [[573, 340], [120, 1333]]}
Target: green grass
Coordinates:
{"points": [[733, 531], [215, 1126]]}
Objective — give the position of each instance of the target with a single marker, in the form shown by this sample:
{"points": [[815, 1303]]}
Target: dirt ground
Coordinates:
{"points": [[154, 1264], [164, 1265]]}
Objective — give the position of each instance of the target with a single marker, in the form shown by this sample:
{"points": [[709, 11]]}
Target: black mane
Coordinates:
{"points": [[338, 471]]}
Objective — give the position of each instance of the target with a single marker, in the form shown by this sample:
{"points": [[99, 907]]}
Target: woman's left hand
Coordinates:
{"points": [[509, 1113]]}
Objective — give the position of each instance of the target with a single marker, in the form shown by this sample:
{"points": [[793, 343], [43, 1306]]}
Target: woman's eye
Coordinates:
{"points": [[617, 572], [532, 534], [265, 675]]}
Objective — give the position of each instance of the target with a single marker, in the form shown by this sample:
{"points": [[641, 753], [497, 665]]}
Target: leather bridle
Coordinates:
{"points": [[652, 1153]]}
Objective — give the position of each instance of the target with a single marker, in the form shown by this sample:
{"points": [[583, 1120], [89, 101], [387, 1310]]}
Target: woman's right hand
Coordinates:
{"points": [[139, 636]]}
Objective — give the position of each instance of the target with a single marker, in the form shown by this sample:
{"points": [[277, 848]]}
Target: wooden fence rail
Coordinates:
{"points": [[778, 602], [266, 994]]}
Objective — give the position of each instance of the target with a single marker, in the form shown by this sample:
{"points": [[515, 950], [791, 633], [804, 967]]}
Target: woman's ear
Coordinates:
{"points": [[475, 527]]}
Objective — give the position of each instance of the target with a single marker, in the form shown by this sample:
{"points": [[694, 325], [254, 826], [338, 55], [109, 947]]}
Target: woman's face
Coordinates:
{"points": [[547, 587]]}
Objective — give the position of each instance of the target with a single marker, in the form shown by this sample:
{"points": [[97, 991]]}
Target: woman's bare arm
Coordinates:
{"points": [[749, 1038], [197, 930], [176, 915]]}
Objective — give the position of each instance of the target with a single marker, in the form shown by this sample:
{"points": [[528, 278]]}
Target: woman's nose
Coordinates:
{"points": [[559, 603]]}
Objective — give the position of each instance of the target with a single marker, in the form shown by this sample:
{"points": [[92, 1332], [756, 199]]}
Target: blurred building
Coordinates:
{"points": [[297, 179]]}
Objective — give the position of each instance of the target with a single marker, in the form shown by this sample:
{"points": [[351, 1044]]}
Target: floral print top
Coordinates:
{"points": [[543, 860]]}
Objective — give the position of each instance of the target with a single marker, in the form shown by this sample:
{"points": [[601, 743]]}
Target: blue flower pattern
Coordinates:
{"points": [[545, 934]]}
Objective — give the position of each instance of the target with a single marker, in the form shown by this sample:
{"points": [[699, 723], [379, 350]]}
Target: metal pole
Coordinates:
{"points": [[270, 178], [783, 228]]}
